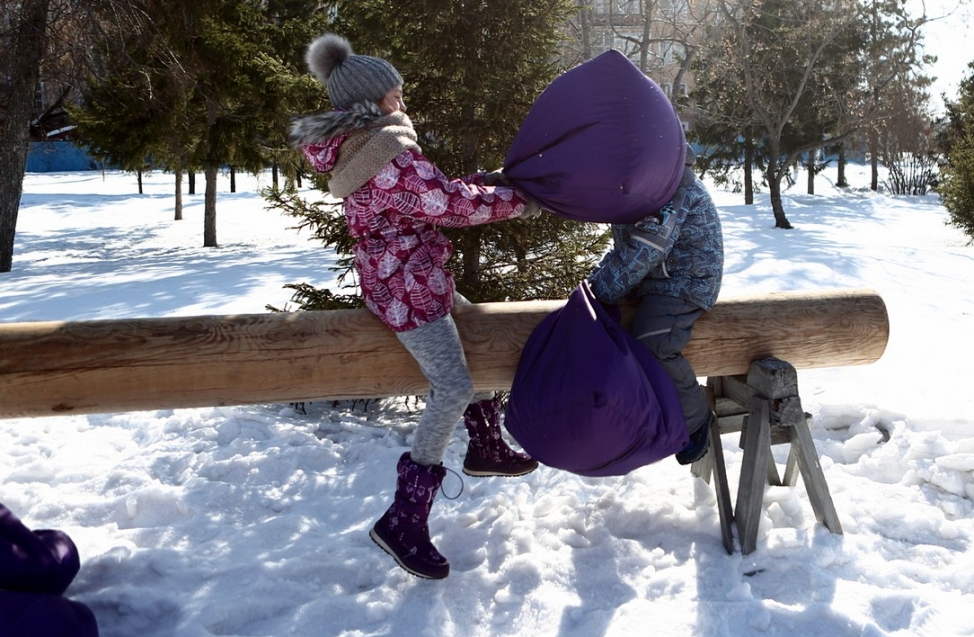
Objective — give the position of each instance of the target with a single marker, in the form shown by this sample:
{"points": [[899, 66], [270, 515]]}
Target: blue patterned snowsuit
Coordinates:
{"points": [[670, 263]]}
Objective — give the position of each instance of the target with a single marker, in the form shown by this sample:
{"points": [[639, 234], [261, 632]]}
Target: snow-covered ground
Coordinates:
{"points": [[254, 520]]}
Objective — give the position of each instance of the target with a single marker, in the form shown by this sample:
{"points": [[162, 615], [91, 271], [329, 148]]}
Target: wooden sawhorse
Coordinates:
{"points": [[765, 407]]}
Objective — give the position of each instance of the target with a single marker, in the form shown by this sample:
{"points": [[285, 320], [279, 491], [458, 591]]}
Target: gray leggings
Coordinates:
{"points": [[437, 348]]}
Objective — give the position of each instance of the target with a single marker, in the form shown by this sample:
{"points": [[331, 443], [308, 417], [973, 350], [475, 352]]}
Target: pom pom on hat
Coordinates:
{"points": [[325, 53], [349, 78]]}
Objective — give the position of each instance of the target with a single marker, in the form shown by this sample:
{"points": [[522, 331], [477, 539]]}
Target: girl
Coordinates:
{"points": [[395, 200]]}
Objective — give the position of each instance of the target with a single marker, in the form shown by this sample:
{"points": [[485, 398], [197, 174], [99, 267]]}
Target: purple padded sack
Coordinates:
{"points": [[41, 615], [35, 561], [602, 143], [589, 398], [35, 568]]}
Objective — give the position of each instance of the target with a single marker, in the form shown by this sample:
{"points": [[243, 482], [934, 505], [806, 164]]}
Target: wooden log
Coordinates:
{"points": [[49, 368]]}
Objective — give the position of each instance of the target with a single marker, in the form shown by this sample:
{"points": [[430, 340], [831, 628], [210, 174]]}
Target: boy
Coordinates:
{"points": [[670, 263]]}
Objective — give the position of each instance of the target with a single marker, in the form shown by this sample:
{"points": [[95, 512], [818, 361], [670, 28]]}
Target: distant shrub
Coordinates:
{"points": [[911, 174]]}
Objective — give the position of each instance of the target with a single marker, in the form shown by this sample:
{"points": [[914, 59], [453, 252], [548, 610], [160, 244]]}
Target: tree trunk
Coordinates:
{"points": [[138, 177], [274, 176], [179, 195], [644, 49], [472, 237], [840, 179], [874, 160], [811, 172], [18, 76], [471, 242], [209, 207], [192, 182], [233, 179], [774, 183], [211, 171], [583, 18], [748, 171]]}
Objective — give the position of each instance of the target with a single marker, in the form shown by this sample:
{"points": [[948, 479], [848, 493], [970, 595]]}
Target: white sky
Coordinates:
{"points": [[949, 38]]}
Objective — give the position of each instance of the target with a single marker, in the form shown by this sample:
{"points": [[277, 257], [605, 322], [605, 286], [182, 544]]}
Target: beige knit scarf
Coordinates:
{"points": [[365, 152]]}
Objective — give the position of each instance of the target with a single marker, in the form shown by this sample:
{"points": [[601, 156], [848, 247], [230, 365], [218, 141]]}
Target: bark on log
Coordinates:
{"points": [[49, 368]]}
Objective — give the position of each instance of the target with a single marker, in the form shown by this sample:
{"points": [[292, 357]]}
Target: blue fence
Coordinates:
{"points": [[56, 156]]}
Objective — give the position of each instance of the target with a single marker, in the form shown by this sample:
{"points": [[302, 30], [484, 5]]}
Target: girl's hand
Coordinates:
{"points": [[496, 178]]}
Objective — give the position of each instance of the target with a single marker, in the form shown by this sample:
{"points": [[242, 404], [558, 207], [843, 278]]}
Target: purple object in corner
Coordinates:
{"points": [[602, 143], [35, 568]]}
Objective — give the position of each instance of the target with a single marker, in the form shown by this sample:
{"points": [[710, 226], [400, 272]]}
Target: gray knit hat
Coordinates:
{"points": [[349, 78]]}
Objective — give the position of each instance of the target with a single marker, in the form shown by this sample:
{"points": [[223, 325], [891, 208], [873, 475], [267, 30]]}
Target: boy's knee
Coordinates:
{"points": [[663, 345]]}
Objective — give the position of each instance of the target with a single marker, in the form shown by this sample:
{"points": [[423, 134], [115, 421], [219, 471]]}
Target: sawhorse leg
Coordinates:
{"points": [[769, 396], [713, 462]]}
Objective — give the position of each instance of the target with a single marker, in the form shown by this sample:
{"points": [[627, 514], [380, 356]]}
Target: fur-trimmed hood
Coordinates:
{"points": [[357, 143], [318, 128]]}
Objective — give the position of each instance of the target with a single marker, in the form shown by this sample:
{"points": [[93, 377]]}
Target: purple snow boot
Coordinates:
{"points": [[487, 453], [403, 531]]}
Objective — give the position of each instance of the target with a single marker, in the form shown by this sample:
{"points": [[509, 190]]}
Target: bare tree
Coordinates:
{"points": [[659, 36], [896, 87], [40, 40], [799, 76], [782, 56], [24, 39]]}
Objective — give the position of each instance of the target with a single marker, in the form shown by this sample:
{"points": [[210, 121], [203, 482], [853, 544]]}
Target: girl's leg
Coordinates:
{"points": [[403, 530], [459, 299], [436, 347], [488, 454]]}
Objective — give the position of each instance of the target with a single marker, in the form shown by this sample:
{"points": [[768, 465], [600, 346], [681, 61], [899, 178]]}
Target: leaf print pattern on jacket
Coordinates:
{"points": [[401, 253]]}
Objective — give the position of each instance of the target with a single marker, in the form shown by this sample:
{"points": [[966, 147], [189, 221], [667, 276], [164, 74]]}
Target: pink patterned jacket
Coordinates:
{"points": [[396, 218]]}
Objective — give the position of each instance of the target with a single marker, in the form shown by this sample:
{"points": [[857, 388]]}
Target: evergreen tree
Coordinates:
{"points": [[725, 125], [132, 112], [207, 85], [290, 25], [957, 172], [472, 71], [225, 55]]}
